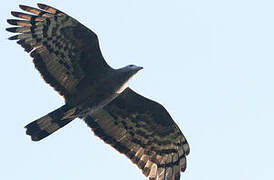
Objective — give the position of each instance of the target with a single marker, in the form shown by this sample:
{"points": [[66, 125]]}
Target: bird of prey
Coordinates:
{"points": [[67, 55]]}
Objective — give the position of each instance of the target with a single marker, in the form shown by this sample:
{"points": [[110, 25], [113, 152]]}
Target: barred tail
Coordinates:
{"points": [[50, 123]]}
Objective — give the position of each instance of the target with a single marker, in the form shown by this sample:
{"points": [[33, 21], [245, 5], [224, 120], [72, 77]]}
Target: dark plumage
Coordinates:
{"points": [[68, 56]]}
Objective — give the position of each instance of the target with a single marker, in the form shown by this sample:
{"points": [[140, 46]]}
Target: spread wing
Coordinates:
{"points": [[144, 131], [66, 53]]}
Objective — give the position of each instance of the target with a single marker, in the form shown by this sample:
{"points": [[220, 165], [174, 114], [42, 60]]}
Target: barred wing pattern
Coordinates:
{"points": [[144, 131], [64, 51]]}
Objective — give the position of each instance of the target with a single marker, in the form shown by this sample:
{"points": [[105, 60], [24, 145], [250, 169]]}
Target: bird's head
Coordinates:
{"points": [[133, 68], [125, 74], [129, 71]]}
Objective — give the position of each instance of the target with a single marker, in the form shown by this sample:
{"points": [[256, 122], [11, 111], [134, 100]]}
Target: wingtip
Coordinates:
{"points": [[11, 29], [41, 5], [13, 37], [49, 9], [14, 13], [23, 7], [183, 166], [10, 21]]}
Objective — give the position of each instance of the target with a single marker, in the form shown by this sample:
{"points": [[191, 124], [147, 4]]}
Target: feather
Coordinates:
{"points": [[18, 29], [28, 17], [17, 22], [48, 8]]}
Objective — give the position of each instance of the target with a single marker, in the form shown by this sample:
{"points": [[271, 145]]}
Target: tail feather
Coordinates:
{"points": [[50, 123]]}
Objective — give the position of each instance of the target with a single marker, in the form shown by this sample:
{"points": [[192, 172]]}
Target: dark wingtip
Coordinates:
{"points": [[14, 13], [42, 6], [183, 168], [23, 7], [11, 29], [13, 37], [11, 21]]}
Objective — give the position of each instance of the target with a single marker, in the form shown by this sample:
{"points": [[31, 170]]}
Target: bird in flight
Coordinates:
{"points": [[68, 57]]}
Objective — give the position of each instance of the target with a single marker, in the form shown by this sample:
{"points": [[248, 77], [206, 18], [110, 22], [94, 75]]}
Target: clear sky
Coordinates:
{"points": [[210, 63]]}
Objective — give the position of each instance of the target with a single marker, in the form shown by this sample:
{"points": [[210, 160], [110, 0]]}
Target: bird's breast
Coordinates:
{"points": [[122, 88]]}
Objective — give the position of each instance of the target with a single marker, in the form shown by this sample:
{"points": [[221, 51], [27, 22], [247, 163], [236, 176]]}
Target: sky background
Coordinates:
{"points": [[210, 63]]}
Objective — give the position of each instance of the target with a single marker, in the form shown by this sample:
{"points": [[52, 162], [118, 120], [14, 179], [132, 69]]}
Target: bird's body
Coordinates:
{"points": [[85, 102], [67, 55], [104, 89]]}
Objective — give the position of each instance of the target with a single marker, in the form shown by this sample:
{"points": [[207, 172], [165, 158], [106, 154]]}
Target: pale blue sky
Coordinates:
{"points": [[210, 63]]}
